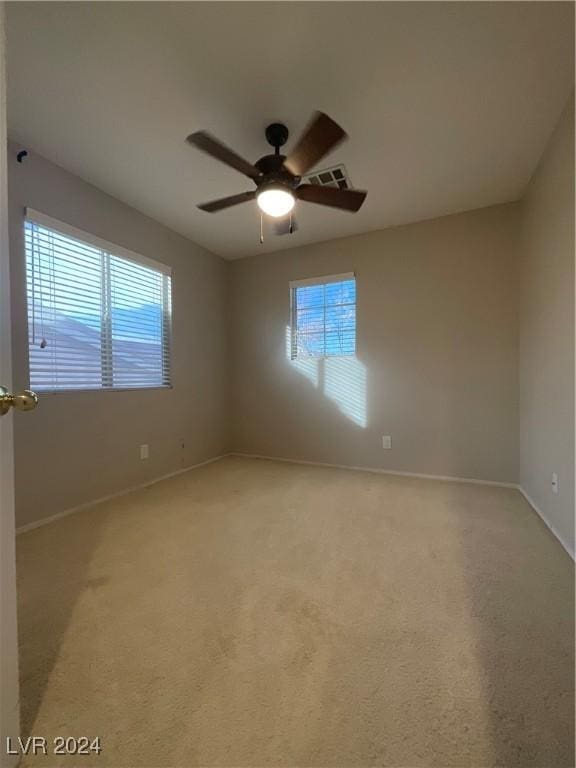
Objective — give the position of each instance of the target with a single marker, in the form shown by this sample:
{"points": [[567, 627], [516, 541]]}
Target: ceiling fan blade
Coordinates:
{"points": [[285, 226], [345, 199], [320, 137], [227, 202], [207, 143]]}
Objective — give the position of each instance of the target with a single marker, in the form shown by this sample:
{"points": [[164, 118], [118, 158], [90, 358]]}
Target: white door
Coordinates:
{"points": [[9, 701], [9, 708]]}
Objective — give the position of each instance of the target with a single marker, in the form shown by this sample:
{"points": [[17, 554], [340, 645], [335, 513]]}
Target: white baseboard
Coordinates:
{"points": [[448, 478], [546, 522], [377, 470], [86, 504]]}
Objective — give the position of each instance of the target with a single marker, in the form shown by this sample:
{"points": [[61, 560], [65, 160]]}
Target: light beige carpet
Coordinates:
{"points": [[256, 613]]}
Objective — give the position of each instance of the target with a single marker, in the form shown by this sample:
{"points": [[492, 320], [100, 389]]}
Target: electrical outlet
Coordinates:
{"points": [[144, 453], [386, 441], [554, 482]]}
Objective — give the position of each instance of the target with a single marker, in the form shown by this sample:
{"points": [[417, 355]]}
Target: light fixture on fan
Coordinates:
{"points": [[275, 200]]}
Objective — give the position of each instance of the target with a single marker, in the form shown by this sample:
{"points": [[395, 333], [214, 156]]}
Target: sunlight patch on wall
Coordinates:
{"points": [[341, 379], [345, 384]]}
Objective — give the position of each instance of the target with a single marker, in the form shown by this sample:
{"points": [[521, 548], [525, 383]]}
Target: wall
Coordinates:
{"points": [[547, 333], [80, 446], [436, 365]]}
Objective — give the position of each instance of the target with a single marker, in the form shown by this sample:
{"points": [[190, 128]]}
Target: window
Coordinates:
{"points": [[323, 316], [99, 317]]}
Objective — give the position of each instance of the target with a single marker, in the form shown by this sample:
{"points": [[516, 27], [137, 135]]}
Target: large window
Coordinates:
{"points": [[99, 317], [323, 316]]}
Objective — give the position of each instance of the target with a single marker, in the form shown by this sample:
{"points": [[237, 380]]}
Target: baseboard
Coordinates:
{"points": [[377, 470], [445, 478], [86, 504], [546, 522]]}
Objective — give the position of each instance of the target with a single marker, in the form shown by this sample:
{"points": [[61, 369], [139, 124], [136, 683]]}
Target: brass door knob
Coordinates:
{"points": [[23, 401]]}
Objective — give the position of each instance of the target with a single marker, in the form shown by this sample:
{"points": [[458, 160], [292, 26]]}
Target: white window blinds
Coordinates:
{"points": [[99, 317], [323, 312]]}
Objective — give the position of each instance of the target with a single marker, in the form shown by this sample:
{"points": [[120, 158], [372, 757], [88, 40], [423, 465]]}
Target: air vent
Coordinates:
{"points": [[330, 177]]}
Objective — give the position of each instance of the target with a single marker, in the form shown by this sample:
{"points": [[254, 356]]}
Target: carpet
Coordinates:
{"points": [[259, 613]]}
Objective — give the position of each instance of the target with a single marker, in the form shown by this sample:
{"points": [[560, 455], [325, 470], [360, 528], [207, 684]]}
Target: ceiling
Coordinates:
{"points": [[448, 105]]}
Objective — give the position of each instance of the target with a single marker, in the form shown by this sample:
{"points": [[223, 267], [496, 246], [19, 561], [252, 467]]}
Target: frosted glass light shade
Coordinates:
{"points": [[275, 202]]}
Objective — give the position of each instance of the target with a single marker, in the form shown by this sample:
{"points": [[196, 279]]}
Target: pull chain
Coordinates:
{"points": [[261, 230]]}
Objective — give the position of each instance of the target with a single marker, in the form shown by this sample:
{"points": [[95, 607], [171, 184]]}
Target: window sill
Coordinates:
{"points": [[94, 390], [322, 357]]}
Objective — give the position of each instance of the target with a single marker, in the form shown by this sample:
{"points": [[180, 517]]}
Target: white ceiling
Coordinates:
{"points": [[448, 105]]}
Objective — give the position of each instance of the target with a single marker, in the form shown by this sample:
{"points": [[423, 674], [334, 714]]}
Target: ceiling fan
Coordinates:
{"points": [[277, 177]]}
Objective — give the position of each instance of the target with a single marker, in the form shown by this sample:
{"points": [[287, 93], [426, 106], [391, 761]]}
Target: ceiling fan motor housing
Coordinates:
{"points": [[274, 173]]}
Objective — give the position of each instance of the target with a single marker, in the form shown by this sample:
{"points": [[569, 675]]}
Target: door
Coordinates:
{"points": [[9, 707], [9, 700]]}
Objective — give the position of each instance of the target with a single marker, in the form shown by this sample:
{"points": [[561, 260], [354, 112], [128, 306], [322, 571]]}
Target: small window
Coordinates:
{"points": [[323, 316], [99, 317]]}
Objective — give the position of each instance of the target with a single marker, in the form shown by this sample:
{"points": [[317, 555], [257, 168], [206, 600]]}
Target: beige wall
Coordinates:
{"points": [[547, 333], [436, 365], [77, 447]]}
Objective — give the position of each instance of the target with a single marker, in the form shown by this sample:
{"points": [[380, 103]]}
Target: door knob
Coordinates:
{"points": [[23, 401]]}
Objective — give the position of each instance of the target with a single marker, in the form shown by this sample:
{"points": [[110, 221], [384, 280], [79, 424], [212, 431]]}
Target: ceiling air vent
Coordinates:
{"points": [[330, 177]]}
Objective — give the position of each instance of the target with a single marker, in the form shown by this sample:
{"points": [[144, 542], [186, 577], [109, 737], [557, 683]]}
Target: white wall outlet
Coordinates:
{"points": [[386, 441], [144, 453], [554, 482]]}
